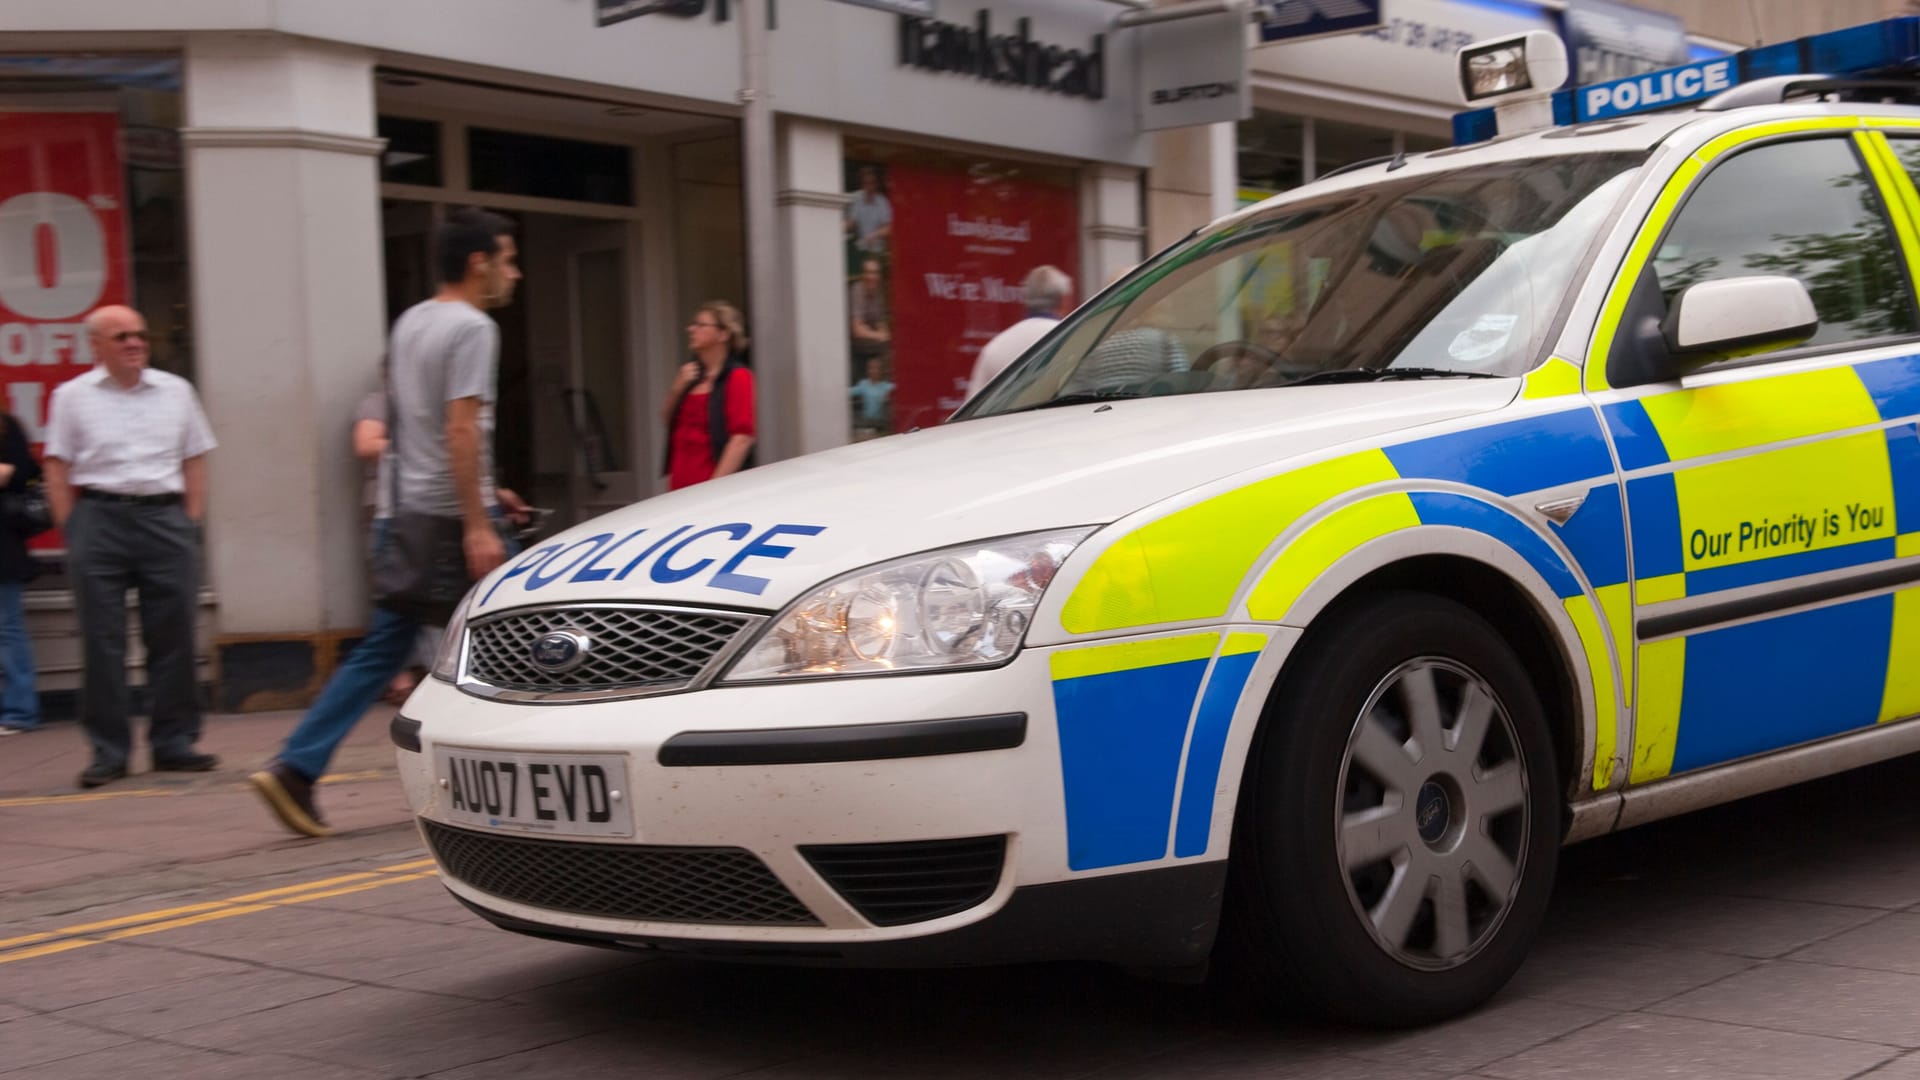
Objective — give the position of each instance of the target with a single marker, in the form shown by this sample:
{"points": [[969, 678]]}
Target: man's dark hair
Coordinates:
{"points": [[463, 233]]}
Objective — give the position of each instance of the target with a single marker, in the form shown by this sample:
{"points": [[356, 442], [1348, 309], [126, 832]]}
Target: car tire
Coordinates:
{"points": [[1375, 881]]}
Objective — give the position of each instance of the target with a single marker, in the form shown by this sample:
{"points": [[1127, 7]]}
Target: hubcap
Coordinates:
{"points": [[1432, 826], [1433, 812]]}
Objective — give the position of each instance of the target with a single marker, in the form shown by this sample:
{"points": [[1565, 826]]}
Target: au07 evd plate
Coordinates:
{"points": [[558, 794]]}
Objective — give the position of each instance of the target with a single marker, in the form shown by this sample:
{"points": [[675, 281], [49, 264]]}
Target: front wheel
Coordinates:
{"points": [[1399, 823]]}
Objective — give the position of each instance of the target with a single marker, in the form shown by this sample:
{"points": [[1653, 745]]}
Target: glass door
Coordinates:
{"points": [[598, 393]]}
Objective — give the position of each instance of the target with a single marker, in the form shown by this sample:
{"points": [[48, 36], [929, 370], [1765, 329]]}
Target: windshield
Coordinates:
{"points": [[1447, 275]]}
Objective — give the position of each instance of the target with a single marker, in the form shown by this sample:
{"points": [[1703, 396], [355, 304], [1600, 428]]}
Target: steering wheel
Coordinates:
{"points": [[1207, 359], [1275, 365]]}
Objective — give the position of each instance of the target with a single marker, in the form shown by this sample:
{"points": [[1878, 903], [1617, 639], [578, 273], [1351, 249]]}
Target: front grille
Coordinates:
{"points": [[633, 648], [913, 881], [620, 881]]}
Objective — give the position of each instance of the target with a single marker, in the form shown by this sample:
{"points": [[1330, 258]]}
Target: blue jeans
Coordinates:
{"points": [[357, 684], [355, 687], [19, 704]]}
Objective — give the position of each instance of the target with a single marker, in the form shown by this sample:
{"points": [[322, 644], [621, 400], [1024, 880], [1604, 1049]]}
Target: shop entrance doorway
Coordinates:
{"points": [[566, 425]]}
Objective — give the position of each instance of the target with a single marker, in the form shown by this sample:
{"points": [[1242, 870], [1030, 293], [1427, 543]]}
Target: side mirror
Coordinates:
{"points": [[1733, 316]]}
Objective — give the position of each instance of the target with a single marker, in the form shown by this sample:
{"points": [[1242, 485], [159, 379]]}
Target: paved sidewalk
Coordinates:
{"points": [[167, 928], [64, 849]]}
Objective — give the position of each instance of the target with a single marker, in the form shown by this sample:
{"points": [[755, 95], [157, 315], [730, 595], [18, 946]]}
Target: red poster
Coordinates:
{"points": [[962, 245], [63, 252]]}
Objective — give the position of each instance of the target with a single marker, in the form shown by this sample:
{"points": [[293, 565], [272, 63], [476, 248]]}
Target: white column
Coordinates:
{"points": [[811, 203], [1194, 179], [1110, 227], [1224, 141], [287, 296]]}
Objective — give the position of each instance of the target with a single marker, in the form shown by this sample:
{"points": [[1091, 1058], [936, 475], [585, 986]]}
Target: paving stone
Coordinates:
{"points": [[1814, 999], [77, 867], [363, 1012], [422, 901], [16, 854], [1662, 1046], [1905, 1067], [1250, 1056], [1040, 1021], [181, 1005], [346, 945], [1506, 1026], [147, 1060], [616, 1055], [1615, 976], [32, 1042], [1884, 874], [1762, 929], [409, 1043], [98, 972], [1889, 944], [514, 965]]}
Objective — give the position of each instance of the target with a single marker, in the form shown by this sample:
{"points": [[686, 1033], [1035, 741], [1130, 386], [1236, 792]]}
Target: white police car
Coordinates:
{"points": [[1293, 602]]}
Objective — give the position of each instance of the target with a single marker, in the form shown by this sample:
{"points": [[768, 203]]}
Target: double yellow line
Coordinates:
{"points": [[68, 938]]}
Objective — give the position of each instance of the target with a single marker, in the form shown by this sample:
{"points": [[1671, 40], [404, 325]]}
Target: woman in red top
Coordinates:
{"points": [[709, 414]]}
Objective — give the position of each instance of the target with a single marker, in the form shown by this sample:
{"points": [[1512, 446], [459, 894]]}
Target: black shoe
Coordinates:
{"points": [[290, 796], [188, 762], [95, 775]]}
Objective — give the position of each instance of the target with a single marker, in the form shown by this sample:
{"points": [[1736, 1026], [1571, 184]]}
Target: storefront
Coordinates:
{"points": [[261, 182]]}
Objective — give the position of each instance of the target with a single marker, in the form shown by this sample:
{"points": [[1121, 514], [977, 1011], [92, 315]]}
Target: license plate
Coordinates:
{"points": [[561, 794]]}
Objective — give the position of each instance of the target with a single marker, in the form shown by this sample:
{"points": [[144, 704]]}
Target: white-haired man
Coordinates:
{"points": [[1046, 292], [127, 478]]}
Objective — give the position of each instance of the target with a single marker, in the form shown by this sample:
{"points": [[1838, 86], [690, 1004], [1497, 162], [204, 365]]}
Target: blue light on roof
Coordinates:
{"points": [[1885, 48]]}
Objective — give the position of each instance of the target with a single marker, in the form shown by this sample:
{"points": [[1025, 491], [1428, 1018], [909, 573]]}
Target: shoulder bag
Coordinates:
{"points": [[420, 571], [25, 513]]}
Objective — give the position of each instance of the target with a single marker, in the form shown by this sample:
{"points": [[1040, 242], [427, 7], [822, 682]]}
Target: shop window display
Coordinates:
{"points": [[92, 212], [936, 247]]}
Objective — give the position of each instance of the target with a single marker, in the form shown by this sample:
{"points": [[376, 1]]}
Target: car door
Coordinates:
{"points": [[1761, 491]]}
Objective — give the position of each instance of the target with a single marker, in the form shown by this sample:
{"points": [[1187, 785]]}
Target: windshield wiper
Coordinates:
{"points": [[1075, 399], [1360, 375]]}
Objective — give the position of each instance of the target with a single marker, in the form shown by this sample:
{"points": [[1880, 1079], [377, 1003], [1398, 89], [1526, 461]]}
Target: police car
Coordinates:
{"points": [[1293, 602]]}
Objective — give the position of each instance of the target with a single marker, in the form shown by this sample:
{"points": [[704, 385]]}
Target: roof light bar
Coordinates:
{"points": [[1891, 46]]}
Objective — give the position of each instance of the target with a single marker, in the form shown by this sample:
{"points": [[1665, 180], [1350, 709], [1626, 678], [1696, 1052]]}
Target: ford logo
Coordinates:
{"points": [[560, 651]]}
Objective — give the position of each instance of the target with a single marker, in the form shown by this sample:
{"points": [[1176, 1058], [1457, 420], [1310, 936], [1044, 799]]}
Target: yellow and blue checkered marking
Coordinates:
{"points": [[1507, 459], [1126, 719], [1751, 483]]}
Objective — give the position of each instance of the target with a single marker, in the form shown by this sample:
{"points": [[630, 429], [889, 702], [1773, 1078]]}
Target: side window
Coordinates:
{"points": [[1806, 209]]}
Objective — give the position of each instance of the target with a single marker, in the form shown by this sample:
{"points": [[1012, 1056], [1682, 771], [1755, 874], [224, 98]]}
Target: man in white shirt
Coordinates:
{"points": [[1046, 291], [126, 476]]}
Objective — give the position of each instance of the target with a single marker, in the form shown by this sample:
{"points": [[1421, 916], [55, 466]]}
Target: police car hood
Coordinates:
{"points": [[760, 539]]}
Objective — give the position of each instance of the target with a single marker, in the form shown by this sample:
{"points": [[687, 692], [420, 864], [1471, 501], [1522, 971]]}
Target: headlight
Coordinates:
{"points": [[446, 664], [961, 607]]}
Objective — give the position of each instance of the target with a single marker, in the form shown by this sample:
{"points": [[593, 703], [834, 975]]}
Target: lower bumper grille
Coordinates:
{"points": [[621, 881], [912, 881]]}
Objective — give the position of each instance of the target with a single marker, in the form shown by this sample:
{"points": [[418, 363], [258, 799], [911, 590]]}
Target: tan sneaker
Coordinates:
{"points": [[290, 796]]}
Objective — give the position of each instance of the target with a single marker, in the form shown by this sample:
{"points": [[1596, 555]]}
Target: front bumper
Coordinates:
{"points": [[1162, 918], [973, 788]]}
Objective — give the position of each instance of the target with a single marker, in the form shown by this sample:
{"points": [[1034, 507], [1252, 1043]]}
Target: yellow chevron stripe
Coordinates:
{"points": [[1131, 655], [1189, 564]]}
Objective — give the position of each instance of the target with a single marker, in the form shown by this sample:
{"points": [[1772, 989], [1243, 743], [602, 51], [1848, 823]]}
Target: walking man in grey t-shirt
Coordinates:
{"points": [[444, 353]]}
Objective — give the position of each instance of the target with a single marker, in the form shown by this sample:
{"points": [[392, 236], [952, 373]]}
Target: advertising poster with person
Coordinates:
{"points": [[63, 252], [937, 249]]}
